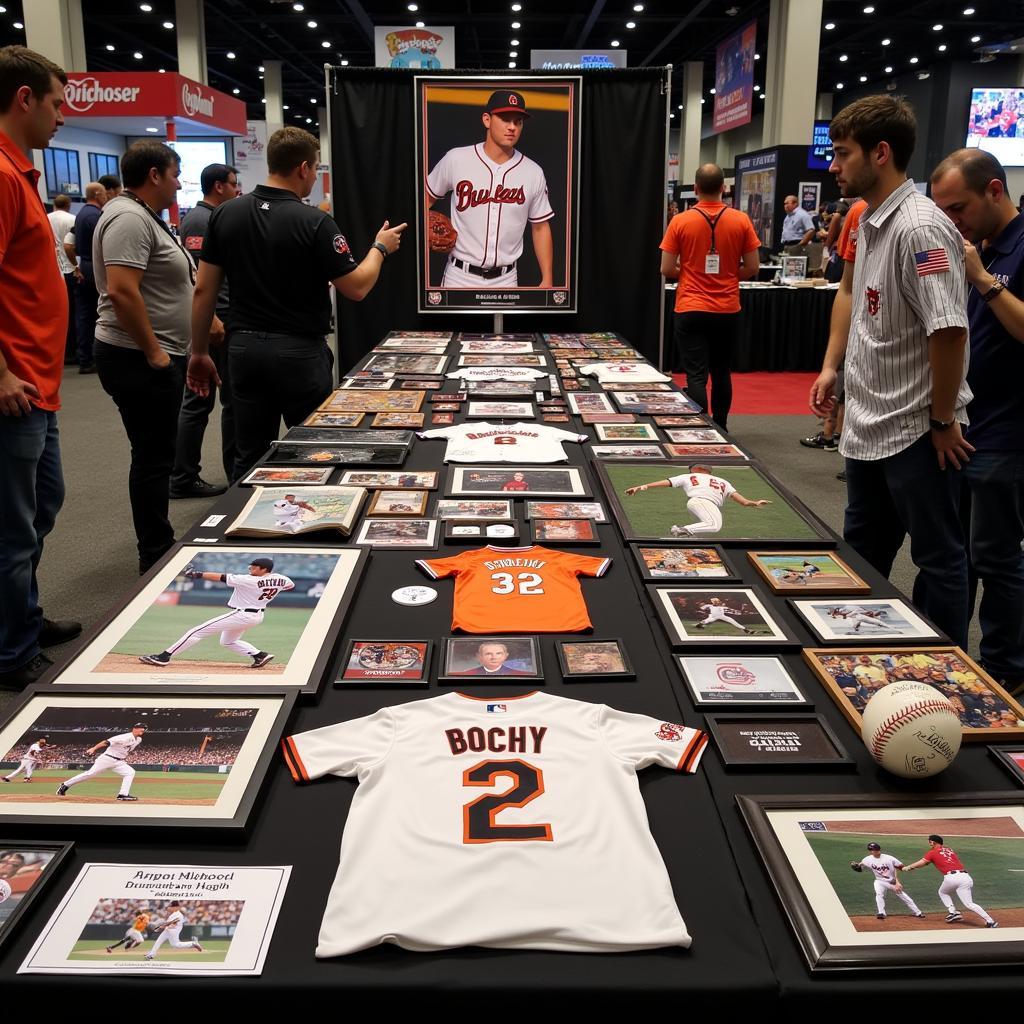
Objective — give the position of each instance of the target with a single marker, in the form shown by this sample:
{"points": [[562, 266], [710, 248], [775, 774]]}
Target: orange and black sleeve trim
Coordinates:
{"points": [[293, 761], [691, 755]]}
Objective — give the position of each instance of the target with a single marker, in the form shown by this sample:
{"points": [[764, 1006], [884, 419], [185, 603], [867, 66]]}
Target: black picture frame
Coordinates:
{"points": [[569, 674], [792, 695], [782, 635], [933, 635], [60, 853], [335, 454], [647, 575], [1007, 757], [458, 474], [472, 677], [538, 527], [714, 722], [428, 543], [422, 680]]}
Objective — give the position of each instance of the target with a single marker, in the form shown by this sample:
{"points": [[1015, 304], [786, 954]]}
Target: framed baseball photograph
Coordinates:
{"points": [[627, 451], [988, 714], [26, 868], [406, 480], [532, 359], [590, 401], [878, 881], [367, 384], [681, 421], [397, 419], [676, 500], [186, 757], [516, 482], [385, 662], [501, 410], [373, 401], [331, 436], [565, 510], [695, 435], [334, 419], [705, 451], [651, 402], [283, 454], [593, 659], [515, 389], [668, 564], [594, 418], [514, 344], [404, 362], [466, 531], [721, 617], [286, 476], [842, 621], [414, 534], [807, 572], [491, 659], [497, 160], [563, 531], [625, 432], [1012, 759], [740, 682], [417, 337], [398, 503], [454, 508], [277, 512], [419, 382], [226, 615], [769, 742]]}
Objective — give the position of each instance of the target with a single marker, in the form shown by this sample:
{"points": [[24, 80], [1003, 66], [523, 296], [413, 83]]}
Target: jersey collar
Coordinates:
{"points": [[892, 201]]}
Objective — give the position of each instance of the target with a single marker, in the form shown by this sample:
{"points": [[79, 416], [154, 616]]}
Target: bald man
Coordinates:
{"points": [[79, 245], [797, 225]]}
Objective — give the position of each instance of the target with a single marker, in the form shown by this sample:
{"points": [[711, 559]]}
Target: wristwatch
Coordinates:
{"points": [[381, 248], [993, 291], [940, 424]]}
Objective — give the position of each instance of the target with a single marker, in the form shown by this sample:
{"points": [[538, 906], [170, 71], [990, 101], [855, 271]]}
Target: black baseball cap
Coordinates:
{"points": [[140, 725], [506, 101], [873, 846], [263, 563]]}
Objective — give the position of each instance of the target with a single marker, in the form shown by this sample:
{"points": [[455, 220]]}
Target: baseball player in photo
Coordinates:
{"points": [[496, 192], [113, 759], [170, 932], [705, 496], [955, 879], [252, 592], [29, 761], [799, 576], [858, 617], [884, 867], [136, 933], [715, 611], [288, 513]]}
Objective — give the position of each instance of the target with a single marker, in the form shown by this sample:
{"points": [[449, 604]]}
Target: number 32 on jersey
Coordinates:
{"points": [[527, 583]]}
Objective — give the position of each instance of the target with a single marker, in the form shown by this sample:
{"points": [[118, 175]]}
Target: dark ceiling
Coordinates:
{"points": [[120, 36]]}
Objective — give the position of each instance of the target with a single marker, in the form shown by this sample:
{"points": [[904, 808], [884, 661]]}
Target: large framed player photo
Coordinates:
{"points": [[229, 615], [497, 159]]}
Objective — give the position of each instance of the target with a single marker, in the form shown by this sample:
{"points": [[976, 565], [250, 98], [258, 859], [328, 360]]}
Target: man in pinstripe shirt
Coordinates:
{"points": [[906, 361]]}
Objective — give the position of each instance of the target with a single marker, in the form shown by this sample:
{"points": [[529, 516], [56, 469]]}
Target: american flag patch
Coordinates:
{"points": [[931, 261]]}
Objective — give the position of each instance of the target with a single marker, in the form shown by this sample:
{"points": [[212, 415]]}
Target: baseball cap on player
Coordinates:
{"points": [[505, 101], [263, 563], [873, 846], [140, 725]]}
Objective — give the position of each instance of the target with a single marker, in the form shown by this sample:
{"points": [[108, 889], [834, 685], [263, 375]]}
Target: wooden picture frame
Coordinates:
{"points": [[832, 575], [682, 563], [384, 502], [582, 659], [523, 654]]}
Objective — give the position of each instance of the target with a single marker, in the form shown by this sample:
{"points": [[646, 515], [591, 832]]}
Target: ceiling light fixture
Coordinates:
{"points": [[757, 56], [630, 24], [412, 7], [968, 11], [712, 91], [839, 85], [516, 25], [942, 48], [236, 91], [937, 28], [18, 24], [615, 42], [829, 25], [886, 42], [863, 78], [420, 24], [511, 64], [261, 69], [513, 42], [137, 55], [638, 8], [888, 69], [326, 44], [517, 7], [344, 63], [869, 10], [286, 107], [975, 39], [298, 7], [230, 55], [146, 8], [843, 58], [913, 60], [168, 24], [513, 53], [110, 47]]}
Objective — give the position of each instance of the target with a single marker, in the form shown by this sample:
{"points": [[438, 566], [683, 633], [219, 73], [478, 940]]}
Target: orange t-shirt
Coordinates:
{"points": [[847, 244], [33, 296], [517, 590], [689, 237]]}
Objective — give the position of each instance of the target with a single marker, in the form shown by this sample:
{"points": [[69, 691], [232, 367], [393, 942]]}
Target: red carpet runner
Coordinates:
{"points": [[768, 394]]}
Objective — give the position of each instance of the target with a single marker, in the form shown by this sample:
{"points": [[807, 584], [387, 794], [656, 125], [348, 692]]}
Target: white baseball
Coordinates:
{"points": [[5, 890], [911, 730]]}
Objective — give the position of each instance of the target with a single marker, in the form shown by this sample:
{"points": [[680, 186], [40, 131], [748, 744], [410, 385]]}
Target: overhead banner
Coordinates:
{"points": [[734, 79], [572, 60], [250, 157], [429, 49]]}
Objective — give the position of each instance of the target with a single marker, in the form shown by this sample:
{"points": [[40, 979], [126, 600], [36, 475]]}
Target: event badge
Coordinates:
{"points": [[712, 263]]}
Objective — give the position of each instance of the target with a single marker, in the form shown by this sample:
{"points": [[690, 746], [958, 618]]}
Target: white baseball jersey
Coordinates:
{"points": [[513, 442], [884, 866], [121, 746], [175, 921], [34, 753], [497, 373], [717, 611], [491, 203], [286, 512], [525, 812], [703, 485], [255, 591], [611, 373], [851, 609]]}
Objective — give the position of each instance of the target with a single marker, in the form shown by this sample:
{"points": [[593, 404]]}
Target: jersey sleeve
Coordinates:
{"points": [[342, 749], [234, 579], [439, 568], [584, 565], [568, 435], [933, 277], [429, 435], [332, 250], [643, 741], [678, 480], [439, 180], [729, 489], [540, 207]]}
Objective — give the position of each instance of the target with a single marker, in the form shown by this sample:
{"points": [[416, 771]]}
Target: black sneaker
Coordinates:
{"points": [[261, 658], [126, 796], [199, 488], [60, 632], [25, 675], [159, 660], [826, 444], [841, 476]]}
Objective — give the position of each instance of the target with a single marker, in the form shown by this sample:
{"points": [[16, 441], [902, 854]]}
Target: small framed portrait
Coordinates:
{"points": [[468, 508], [695, 435], [485, 531], [386, 662], [594, 659], [517, 482], [334, 419], [988, 714], [957, 856], [413, 534], [563, 531], [731, 617], [486, 659], [863, 620], [367, 384], [705, 451], [287, 476], [807, 571], [625, 432], [420, 382], [442, 419], [627, 451], [373, 401], [26, 868], [398, 503], [769, 742], [1012, 759], [665, 564], [407, 480], [411, 420], [566, 510], [740, 682], [501, 410]]}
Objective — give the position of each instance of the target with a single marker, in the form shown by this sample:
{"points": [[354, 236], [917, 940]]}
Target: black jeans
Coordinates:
{"points": [[704, 343], [86, 300], [195, 414], [148, 401], [274, 376]]}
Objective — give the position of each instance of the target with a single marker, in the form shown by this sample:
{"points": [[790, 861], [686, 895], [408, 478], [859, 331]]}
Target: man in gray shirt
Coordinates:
{"points": [[145, 279], [906, 360]]}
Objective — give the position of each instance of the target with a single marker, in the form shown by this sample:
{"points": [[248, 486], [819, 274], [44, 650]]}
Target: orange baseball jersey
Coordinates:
{"points": [[847, 244], [141, 922], [517, 590]]}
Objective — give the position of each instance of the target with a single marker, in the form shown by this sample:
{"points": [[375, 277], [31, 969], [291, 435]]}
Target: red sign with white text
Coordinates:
{"points": [[150, 94]]}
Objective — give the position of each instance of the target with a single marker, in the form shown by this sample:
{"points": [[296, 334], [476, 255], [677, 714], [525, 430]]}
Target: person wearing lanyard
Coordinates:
{"points": [[710, 249], [145, 279]]}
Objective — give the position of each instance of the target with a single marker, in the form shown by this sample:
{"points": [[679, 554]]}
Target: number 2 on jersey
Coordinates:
{"points": [[479, 823], [528, 583]]}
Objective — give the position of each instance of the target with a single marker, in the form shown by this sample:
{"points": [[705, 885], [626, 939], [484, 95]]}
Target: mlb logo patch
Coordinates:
{"points": [[341, 245], [497, 709]]}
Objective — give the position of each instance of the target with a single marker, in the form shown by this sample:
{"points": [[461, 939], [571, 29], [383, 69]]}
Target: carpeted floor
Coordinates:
{"points": [[767, 394]]}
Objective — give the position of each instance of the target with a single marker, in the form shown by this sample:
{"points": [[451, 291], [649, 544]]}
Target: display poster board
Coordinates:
{"points": [[756, 177], [251, 155], [570, 60], [509, 183], [430, 48], [810, 196], [734, 79]]}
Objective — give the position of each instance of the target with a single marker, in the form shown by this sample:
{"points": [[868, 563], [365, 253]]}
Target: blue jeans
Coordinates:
{"points": [[31, 494], [995, 494], [908, 493]]}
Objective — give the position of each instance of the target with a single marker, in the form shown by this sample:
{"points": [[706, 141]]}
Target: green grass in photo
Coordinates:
{"points": [[215, 951], [147, 785]]}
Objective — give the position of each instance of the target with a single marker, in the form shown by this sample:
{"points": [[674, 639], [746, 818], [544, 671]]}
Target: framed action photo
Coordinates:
{"points": [[367, 384], [398, 502], [373, 401], [26, 868], [386, 662], [490, 659], [442, 419], [493, 346], [277, 512], [282, 454], [681, 421], [566, 510], [183, 758], [705, 451], [669, 513], [563, 531], [334, 419], [665, 564], [455, 508], [465, 531], [593, 659], [501, 410], [331, 436], [627, 451], [845, 621], [652, 402], [414, 534], [695, 435], [759, 741], [511, 481], [404, 362], [534, 359], [287, 476], [412, 420], [590, 402], [1012, 759], [407, 480], [988, 714], [740, 682], [502, 387], [529, 128], [625, 432], [848, 920], [594, 418], [723, 617], [807, 571]]}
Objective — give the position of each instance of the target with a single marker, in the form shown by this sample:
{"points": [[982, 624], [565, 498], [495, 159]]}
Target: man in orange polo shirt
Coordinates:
{"points": [[33, 325], [710, 248]]}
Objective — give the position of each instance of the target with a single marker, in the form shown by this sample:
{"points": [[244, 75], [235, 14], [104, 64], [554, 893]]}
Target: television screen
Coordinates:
{"points": [[996, 124], [194, 156], [819, 153]]}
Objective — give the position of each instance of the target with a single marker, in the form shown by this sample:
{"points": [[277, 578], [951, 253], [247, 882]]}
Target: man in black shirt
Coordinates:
{"points": [[278, 256]]}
